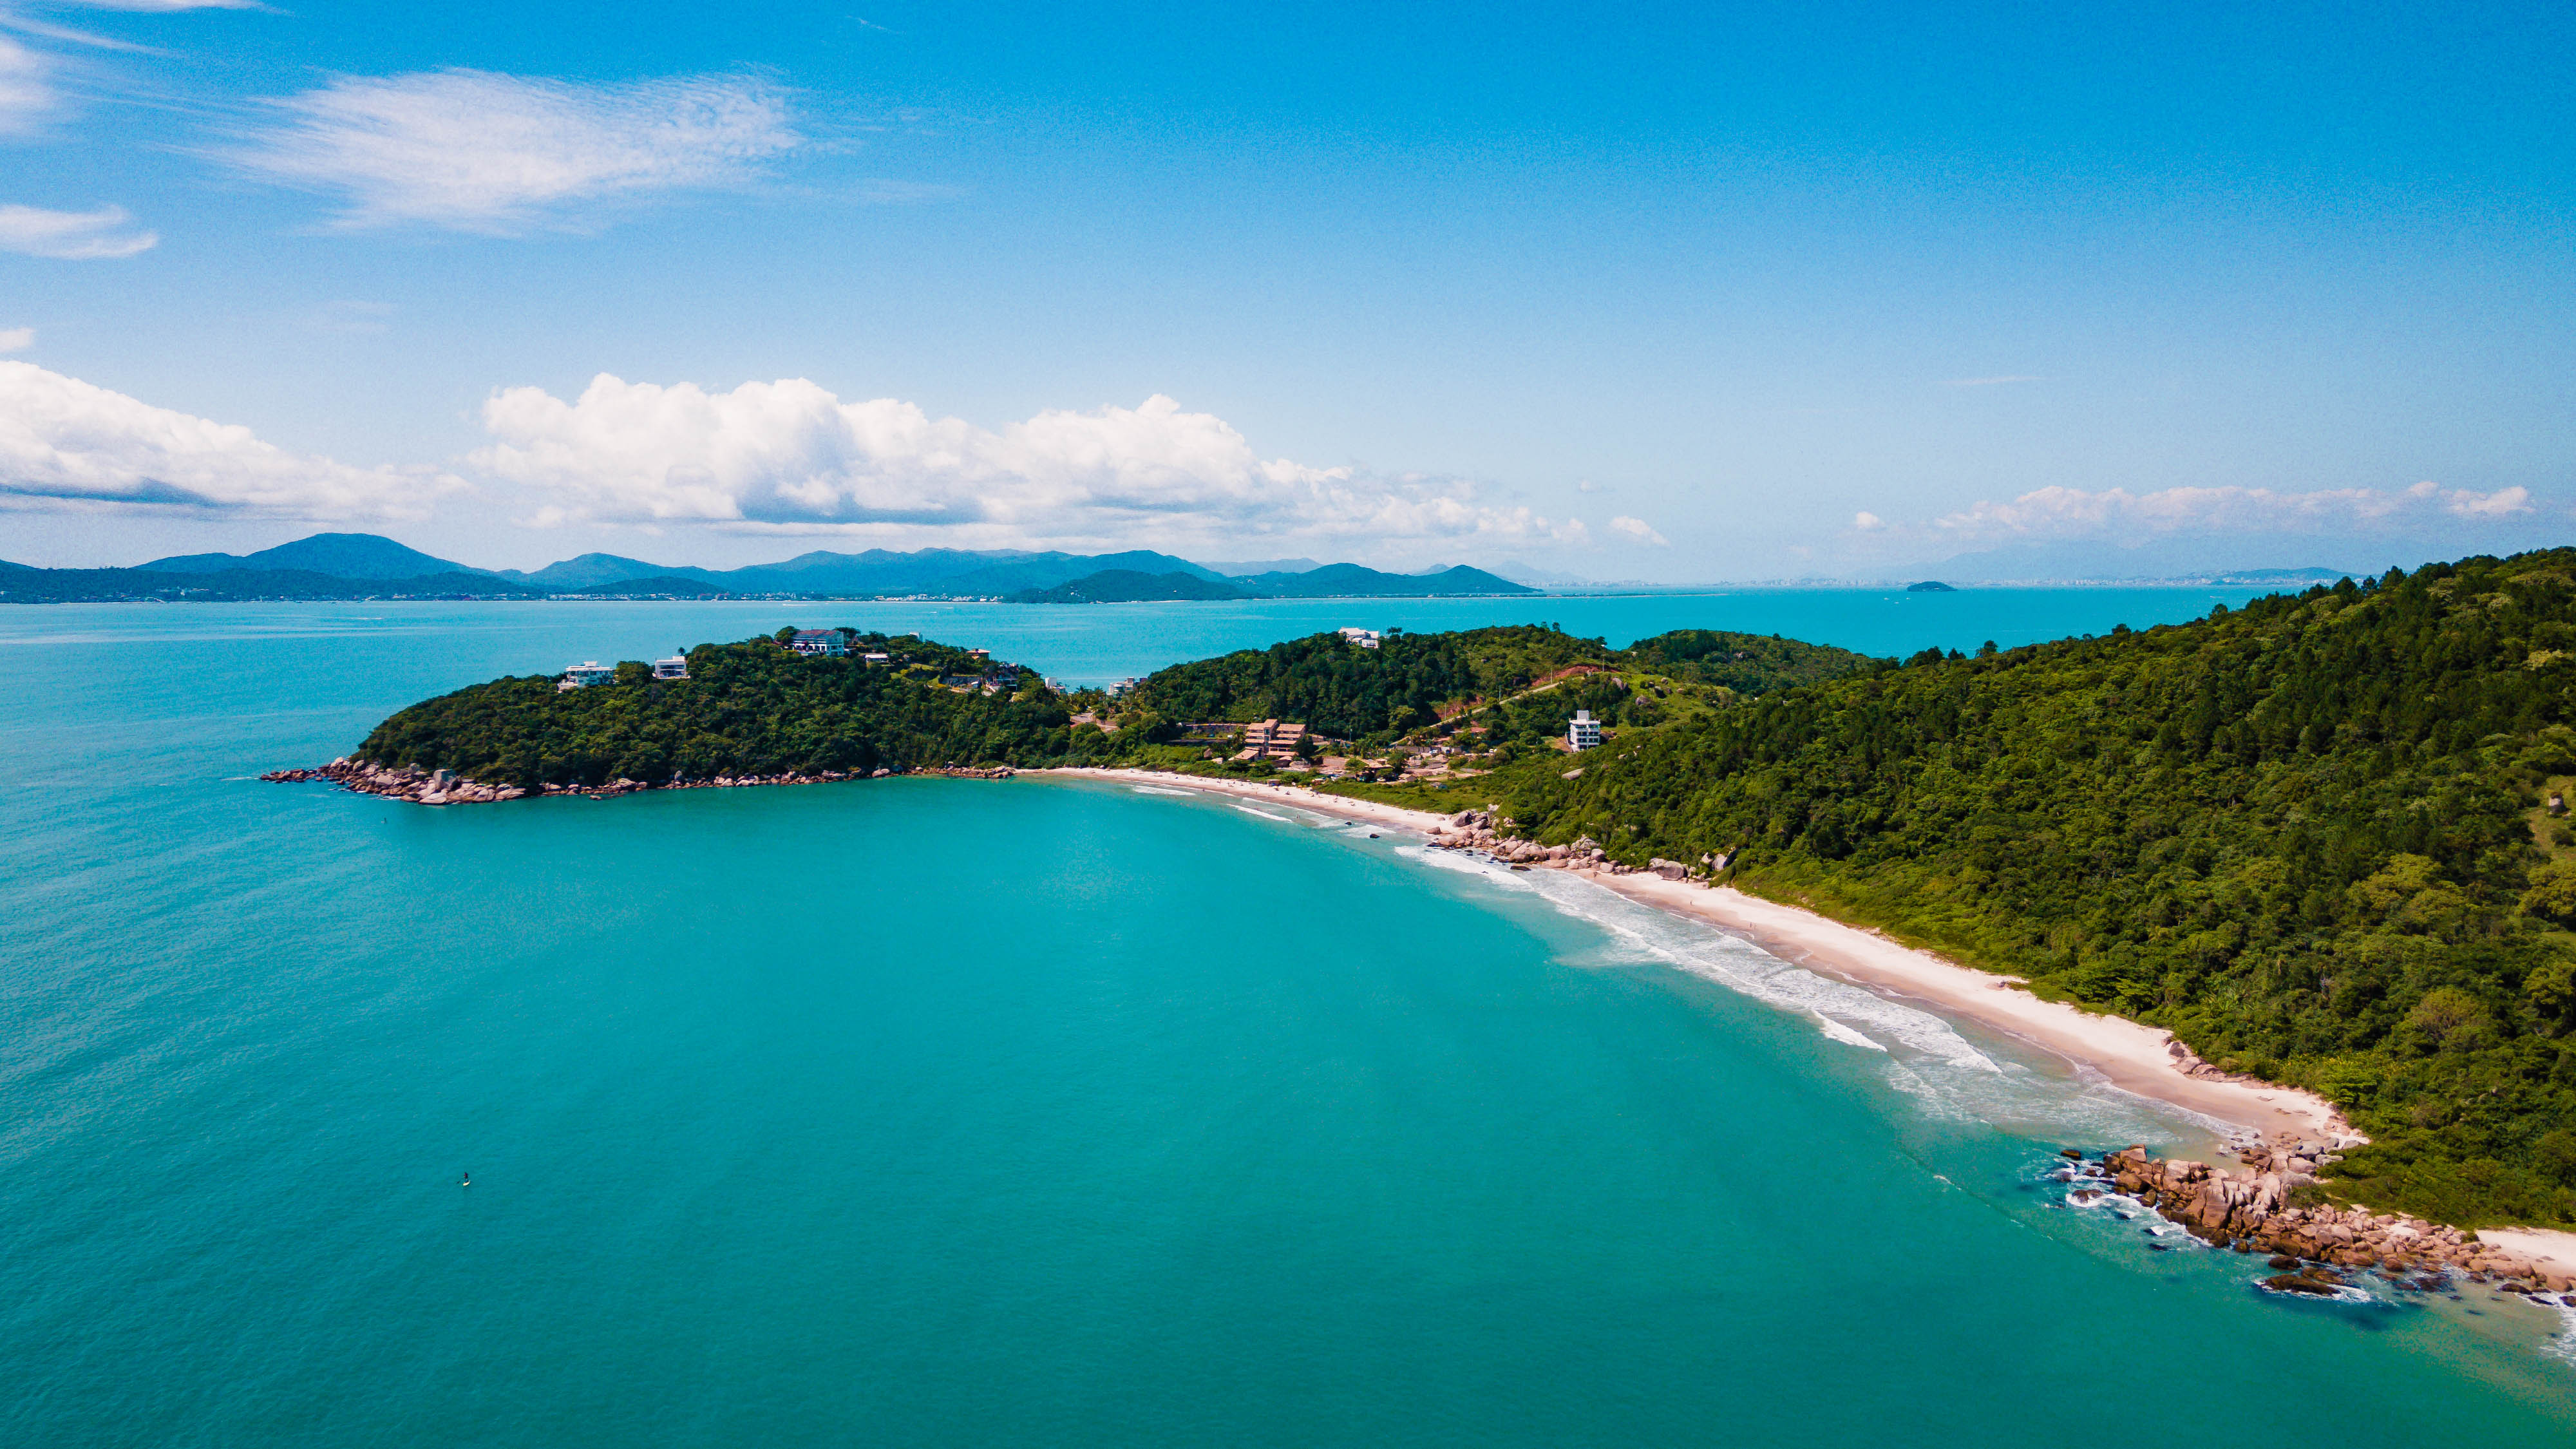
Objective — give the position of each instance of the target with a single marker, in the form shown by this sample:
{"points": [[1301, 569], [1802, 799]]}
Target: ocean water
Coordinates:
{"points": [[1033, 1112]]}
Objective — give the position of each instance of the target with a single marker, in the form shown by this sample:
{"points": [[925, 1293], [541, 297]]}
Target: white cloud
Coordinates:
{"points": [[2502, 503], [1868, 522], [478, 151], [2118, 513], [17, 339], [1638, 529], [72, 235], [65, 443], [26, 92], [790, 456]]}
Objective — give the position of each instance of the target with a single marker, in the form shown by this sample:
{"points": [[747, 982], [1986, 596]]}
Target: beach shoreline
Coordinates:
{"points": [[2130, 1055]]}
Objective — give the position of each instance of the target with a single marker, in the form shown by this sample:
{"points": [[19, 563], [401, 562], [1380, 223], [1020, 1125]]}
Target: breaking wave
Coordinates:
{"points": [[1920, 1054]]}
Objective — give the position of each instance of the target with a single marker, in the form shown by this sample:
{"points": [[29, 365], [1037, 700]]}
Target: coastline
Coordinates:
{"points": [[2134, 1057]]}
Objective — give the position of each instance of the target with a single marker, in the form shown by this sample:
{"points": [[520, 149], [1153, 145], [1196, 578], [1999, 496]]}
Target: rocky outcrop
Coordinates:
{"points": [[405, 782], [445, 787], [2257, 1208], [1477, 831]]}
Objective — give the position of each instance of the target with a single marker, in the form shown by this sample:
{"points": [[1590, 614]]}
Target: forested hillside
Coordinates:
{"points": [[1415, 680], [1352, 693], [2309, 836], [747, 708], [1745, 663]]}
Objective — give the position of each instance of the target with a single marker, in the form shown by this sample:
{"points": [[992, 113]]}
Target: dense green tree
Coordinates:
{"points": [[2304, 835]]}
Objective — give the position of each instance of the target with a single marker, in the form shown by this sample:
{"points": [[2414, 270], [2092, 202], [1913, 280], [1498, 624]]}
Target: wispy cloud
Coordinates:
{"points": [[27, 93], [477, 151], [164, 7], [1638, 529], [790, 456], [2118, 513], [72, 235], [17, 339], [1868, 522], [1988, 381], [65, 443]]}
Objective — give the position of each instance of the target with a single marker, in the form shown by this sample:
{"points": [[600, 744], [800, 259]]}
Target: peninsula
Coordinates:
{"points": [[2320, 842]]}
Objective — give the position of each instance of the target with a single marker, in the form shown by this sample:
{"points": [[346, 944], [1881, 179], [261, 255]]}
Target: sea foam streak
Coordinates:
{"points": [[1846, 1035], [1921, 1054]]}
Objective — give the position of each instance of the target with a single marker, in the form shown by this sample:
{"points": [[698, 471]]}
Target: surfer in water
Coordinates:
{"points": [[466, 1181]]}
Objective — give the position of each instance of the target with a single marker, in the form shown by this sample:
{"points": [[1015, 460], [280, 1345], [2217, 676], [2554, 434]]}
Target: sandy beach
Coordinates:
{"points": [[2132, 1056], [2135, 1057]]}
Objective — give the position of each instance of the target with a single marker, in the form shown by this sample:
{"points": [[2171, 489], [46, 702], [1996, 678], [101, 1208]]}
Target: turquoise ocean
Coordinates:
{"points": [[1040, 1112]]}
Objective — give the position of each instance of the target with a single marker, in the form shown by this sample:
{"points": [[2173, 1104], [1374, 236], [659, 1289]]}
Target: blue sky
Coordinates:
{"points": [[1683, 295]]}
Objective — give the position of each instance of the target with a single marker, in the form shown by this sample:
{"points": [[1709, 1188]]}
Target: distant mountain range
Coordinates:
{"points": [[354, 565], [338, 555], [947, 572], [1130, 586], [366, 565], [1340, 581], [1331, 581]]}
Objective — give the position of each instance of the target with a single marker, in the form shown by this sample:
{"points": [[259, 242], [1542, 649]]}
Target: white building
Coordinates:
{"points": [[675, 667], [1365, 638], [588, 672], [874, 656], [1584, 732]]}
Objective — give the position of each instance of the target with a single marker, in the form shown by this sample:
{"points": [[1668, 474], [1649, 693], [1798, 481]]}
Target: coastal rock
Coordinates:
{"points": [[2251, 1211], [446, 787], [2314, 1282]]}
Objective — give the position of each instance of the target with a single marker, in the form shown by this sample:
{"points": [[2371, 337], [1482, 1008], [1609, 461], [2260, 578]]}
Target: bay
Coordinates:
{"points": [[959, 1112]]}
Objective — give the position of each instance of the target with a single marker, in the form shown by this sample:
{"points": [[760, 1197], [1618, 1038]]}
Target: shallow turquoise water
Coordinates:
{"points": [[952, 1112]]}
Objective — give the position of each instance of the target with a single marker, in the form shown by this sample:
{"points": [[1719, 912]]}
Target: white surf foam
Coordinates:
{"points": [[1921, 1054], [2562, 1344], [1264, 814], [1846, 1035]]}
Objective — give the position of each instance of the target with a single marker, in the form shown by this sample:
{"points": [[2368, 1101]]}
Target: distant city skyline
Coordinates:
{"points": [[1673, 295]]}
